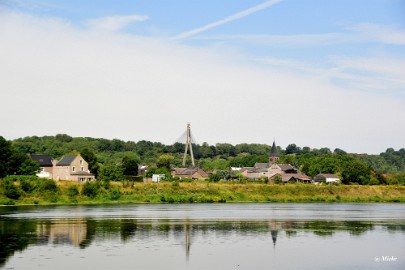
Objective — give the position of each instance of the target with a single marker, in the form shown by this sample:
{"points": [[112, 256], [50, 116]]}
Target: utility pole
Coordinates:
{"points": [[188, 144]]}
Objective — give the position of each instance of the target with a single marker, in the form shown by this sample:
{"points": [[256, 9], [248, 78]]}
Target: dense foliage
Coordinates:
{"points": [[13, 161], [113, 159]]}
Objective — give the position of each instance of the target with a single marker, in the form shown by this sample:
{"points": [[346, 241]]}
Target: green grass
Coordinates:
{"points": [[204, 192]]}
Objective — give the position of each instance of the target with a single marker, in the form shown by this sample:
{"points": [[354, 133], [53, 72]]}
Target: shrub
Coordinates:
{"points": [[7, 202], [10, 190], [90, 189], [115, 194], [46, 185], [26, 185], [72, 191]]}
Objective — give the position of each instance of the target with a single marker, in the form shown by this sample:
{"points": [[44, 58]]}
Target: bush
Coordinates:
{"points": [[10, 190], [115, 194], [90, 189], [214, 177], [46, 185], [26, 185], [72, 191]]}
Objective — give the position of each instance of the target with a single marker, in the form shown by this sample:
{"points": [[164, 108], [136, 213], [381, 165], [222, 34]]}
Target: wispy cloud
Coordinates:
{"points": [[377, 74], [34, 5], [114, 23], [231, 18], [299, 40], [359, 33], [380, 33]]}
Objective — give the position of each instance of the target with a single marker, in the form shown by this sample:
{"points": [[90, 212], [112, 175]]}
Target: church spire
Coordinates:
{"points": [[273, 154]]}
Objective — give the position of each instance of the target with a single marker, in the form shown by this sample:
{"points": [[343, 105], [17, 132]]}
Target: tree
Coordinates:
{"points": [[338, 151], [130, 166], [111, 171], [226, 149], [277, 179], [14, 162], [5, 154], [63, 138], [91, 159], [165, 161], [162, 170], [356, 172], [292, 149], [28, 167]]}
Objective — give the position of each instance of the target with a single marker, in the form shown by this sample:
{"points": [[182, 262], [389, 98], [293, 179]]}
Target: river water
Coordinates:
{"points": [[203, 236]]}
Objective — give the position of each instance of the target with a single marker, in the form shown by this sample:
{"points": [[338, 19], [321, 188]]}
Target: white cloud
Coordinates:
{"points": [[114, 23], [379, 74], [380, 33], [228, 19], [59, 79]]}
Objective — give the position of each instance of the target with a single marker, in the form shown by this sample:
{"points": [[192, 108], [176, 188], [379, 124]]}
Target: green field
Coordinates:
{"points": [[64, 192]]}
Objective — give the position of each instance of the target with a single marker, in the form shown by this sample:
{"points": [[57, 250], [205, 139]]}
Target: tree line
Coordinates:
{"points": [[112, 159]]}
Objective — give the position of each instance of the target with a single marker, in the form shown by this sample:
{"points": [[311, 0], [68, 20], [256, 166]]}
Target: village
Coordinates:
{"points": [[76, 168]]}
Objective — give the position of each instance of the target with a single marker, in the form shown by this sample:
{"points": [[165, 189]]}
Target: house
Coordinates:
{"points": [[192, 173], [254, 173], [272, 169], [45, 164], [292, 178], [73, 168], [327, 178]]}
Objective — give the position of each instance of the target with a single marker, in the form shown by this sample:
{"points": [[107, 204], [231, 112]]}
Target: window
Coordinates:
{"points": [[73, 168], [82, 168], [81, 162]]}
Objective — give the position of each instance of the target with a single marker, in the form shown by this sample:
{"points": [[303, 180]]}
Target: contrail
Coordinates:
{"points": [[231, 18]]}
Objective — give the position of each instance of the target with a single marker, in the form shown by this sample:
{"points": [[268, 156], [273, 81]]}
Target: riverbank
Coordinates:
{"points": [[204, 192]]}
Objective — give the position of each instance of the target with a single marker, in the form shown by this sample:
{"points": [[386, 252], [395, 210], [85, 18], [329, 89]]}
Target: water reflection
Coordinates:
{"points": [[19, 234], [190, 237]]}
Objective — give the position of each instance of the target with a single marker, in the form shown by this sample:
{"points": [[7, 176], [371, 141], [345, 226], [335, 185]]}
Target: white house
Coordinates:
{"points": [[327, 178]]}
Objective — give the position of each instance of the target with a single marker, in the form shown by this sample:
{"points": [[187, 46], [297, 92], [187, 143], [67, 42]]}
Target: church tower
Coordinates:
{"points": [[273, 158]]}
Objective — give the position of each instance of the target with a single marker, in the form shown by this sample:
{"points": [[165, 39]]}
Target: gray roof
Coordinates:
{"points": [[43, 160], [66, 161], [261, 165], [285, 167], [273, 152]]}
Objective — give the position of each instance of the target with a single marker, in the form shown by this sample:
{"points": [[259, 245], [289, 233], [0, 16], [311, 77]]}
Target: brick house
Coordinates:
{"points": [[73, 168]]}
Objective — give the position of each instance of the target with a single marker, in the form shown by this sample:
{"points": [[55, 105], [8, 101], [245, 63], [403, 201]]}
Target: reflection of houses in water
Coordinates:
{"points": [[62, 233]]}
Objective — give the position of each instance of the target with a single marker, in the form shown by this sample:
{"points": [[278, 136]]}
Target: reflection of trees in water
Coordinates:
{"points": [[15, 235], [18, 234]]}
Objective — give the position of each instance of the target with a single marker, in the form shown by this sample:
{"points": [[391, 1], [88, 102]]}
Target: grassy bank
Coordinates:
{"points": [[200, 192]]}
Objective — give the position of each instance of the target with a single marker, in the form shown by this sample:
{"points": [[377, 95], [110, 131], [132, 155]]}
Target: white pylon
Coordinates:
{"points": [[188, 144]]}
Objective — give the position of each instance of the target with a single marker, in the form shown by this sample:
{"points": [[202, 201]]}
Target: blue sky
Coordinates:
{"points": [[315, 73]]}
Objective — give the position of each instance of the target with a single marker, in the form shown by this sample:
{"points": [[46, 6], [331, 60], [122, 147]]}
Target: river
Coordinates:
{"points": [[203, 236]]}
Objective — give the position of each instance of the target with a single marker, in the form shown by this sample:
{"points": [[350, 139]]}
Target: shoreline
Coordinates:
{"points": [[205, 192]]}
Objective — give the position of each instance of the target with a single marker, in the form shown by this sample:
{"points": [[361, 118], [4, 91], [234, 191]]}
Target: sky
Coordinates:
{"points": [[314, 73]]}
